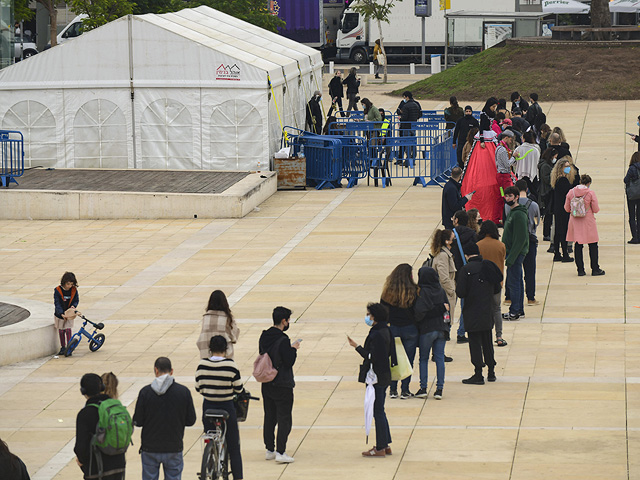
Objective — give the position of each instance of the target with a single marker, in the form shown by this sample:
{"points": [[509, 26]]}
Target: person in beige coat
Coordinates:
{"points": [[218, 320], [443, 264]]}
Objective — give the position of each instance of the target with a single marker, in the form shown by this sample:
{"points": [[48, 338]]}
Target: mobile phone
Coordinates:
{"points": [[299, 340], [473, 192], [630, 134]]}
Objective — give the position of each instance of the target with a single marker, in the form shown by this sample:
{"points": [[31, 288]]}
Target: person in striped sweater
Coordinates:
{"points": [[218, 380]]}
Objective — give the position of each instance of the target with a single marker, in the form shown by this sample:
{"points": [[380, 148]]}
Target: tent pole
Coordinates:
{"points": [[133, 105]]}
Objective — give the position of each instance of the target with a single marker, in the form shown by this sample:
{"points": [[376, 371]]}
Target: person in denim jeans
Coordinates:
{"points": [[516, 241], [399, 296], [434, 324]]}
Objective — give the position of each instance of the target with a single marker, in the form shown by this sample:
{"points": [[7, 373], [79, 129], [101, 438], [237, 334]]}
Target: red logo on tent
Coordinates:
{"points": [[228, 72]]}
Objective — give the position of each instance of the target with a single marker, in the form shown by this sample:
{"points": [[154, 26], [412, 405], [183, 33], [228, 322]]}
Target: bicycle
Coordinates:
{"points": [[215, 458], [95, 341]]}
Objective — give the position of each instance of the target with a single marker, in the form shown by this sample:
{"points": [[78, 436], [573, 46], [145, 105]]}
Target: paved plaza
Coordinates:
{"points": [[566, 404]]}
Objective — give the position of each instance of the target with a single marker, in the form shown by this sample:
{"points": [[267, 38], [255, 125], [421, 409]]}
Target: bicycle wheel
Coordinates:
{"points": [[97, 342], [224, 462], [208, 462], [71, 346]]}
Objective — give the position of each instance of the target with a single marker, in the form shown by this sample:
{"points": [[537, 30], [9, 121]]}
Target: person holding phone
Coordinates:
{"points": [[636, 138]]}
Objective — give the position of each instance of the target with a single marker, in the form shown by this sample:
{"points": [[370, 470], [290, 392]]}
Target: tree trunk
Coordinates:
{"points": [[600, 18], [384, 78], [53, 29]]}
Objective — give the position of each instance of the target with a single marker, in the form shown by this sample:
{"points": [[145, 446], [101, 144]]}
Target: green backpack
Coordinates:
{"points": [[115, 427]]}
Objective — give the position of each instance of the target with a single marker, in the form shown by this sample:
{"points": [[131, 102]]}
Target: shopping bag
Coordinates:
{"points": [[403, 369]]}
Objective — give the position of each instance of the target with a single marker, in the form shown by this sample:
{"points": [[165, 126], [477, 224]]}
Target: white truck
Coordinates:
{"points": [[402, 36]]}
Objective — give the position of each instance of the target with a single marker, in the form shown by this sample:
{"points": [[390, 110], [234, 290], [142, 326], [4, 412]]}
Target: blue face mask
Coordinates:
{"points": [[405, 100], [368, 321], [567, 170], [638, 123]]}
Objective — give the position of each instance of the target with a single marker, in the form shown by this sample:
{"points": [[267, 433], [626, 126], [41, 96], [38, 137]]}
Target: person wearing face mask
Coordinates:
{"points": [[314, 113], [548, 159], [516, 241], [277, 395], [379, 352], [463, 126], [562, 180]]}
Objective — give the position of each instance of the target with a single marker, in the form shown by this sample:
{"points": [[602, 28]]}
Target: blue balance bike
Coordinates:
{"points": [[95, 341]]}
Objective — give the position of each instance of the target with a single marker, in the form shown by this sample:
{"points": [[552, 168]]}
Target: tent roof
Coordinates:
{"points": [[624, 6], [564, 6], [190, 48]]}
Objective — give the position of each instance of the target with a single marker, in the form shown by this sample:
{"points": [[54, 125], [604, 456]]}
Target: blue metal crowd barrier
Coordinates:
{"points": [[443, 159], [12, 148]]}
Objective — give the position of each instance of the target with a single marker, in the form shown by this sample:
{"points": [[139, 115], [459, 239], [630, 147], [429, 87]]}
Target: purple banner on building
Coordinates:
{"points": [[302, 18]]}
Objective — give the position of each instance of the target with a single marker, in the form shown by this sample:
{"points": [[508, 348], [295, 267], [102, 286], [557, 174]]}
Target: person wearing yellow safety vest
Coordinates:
{"points": [[382, 140]]}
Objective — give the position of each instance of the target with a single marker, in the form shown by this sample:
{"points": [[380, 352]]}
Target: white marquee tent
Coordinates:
{"points": [[195, 89], [564, 6]]}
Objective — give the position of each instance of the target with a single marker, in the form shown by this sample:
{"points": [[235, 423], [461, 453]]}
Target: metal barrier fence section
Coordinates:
{"points": [[356, 149], [12, 150]]}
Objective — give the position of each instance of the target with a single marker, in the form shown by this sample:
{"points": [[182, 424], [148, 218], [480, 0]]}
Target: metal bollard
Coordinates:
{"points": [[436, 67], [370, 68], [331, 67], [412, 69]]}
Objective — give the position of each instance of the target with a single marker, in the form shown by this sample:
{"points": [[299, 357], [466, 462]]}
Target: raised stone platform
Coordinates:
{"points": [[26, 330], [74, 194]]}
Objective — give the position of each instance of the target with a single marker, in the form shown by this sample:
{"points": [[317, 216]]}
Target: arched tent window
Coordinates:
{"points": [[100, 136], [236, 136], [38, 125], [166, 136]]}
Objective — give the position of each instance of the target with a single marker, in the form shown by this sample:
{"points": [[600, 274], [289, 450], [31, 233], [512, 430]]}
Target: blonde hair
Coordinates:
{"points": [[557, 171], [400, 290], [560, 133], [110, 385]]}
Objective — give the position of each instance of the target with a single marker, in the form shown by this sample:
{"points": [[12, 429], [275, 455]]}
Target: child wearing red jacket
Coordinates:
{"points": [[65, 297]]}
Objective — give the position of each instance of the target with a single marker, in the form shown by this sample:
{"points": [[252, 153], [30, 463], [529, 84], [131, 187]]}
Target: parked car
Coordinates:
{"points": [[24, 47]]}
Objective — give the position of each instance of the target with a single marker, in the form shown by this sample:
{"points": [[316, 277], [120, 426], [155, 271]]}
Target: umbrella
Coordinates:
{"points": [[369, 399], [624, 6], [564, 6]]}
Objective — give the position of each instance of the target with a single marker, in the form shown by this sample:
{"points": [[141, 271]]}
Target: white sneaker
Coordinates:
{"points": [[283, 458], [270, 455]]}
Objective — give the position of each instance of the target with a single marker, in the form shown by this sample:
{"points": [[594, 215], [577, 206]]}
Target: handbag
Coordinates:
{"points": [[633, 189], [403, 369]]}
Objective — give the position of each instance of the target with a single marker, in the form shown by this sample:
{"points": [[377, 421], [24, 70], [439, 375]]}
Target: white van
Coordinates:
{"points": [[72, 30]]}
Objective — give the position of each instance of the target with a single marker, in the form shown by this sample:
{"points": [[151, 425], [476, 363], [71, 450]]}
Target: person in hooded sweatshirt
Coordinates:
{"points": [[466, 236], [434, 325], [478, 282], [163, 410], [277, 395], [218, 381], [583, 230]]}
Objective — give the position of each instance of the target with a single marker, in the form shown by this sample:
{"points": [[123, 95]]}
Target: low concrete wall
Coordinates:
{"points": [[235, 202], [32, 338]]}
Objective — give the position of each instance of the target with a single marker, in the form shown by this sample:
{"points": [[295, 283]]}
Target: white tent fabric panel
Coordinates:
{"points": [[624, 6], [35, 116], [234, 129], [97, 128]]}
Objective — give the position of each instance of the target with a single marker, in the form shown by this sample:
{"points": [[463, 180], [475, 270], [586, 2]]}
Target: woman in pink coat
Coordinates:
{"points": [[582, 224]]}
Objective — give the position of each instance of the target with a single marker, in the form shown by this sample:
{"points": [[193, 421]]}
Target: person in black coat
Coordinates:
{"points": [[461, 131], [478, 281], [486, 117], [353, 85], [563, 177], [336, 91], [518, 102], [314, 113], [92, 387], [277, 395], [434, 328], [379, 351], [633, 173], [11, 467], [408, 111], [452, 201], [467, 236]]}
